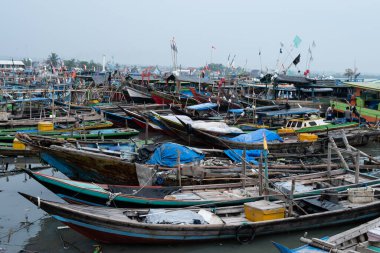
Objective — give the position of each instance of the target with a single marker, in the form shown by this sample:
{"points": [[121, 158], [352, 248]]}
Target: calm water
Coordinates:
{"points": [[43, 236]]}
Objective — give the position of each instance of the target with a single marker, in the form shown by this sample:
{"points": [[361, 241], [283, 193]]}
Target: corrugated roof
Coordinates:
{"points": [[6, 62], [375, 86]]}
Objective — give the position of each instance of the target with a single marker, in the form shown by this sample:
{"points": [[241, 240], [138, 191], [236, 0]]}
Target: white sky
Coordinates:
{"points": [[139, 31]]}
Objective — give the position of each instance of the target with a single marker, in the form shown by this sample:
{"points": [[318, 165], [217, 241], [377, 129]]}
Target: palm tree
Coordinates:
{"points": [[53, 59]]}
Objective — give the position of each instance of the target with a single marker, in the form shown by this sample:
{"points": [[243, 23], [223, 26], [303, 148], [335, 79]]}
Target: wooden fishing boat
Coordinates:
{"points": [[204, 195], [166, 98], [181, 122], [86, 125], [224, 104], [313, 124], [141, 119], [289, 145], [356, 137], [119, 225], [119, 116], [58, 120], [138, 93], [81, 164], [361, 239], [111, 133], [196, 115]]}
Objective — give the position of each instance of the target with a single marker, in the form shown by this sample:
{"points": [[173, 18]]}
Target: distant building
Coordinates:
{"points": [[11, 65]]}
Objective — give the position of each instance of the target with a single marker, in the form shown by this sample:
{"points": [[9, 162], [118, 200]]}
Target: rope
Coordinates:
{"points": [[112, 196], [23, 227]]}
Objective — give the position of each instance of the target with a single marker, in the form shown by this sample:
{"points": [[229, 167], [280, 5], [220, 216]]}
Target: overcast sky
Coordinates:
{"points": [[139, 32]]}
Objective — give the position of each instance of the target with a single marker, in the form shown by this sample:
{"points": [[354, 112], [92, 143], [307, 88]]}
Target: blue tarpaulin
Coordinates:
{"points": [[236, 111], [256, 136], [202, 107], [167, 155], [236, 155]]}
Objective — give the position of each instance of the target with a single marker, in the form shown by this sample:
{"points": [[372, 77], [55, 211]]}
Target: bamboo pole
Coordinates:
{"points": [[335, 147]]}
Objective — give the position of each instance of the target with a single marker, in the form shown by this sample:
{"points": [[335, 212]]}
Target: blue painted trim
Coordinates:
{"points": [[136, 235]]}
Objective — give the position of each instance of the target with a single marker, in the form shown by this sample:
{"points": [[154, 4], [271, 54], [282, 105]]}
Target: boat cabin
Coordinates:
{"points": [[311, 121]]}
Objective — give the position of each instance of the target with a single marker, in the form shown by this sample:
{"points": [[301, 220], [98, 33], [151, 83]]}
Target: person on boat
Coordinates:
{"points": [[329, 113], [333, 112], [355, 111], [287, 106], [348, 114]]}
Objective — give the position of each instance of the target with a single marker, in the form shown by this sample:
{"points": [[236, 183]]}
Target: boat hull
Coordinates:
{"points": [[109, 225], [97, 168]]}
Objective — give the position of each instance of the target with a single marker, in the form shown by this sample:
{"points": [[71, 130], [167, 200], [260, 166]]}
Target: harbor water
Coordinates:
{"points": [[25, 228]]}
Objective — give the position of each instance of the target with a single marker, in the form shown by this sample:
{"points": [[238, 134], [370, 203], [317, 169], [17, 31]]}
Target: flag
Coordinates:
{"points": [[228, 59], [313, 45], [265, 143], [212, 47], [259, 52], [297, 59], [281, 44], [311, 58], [297, 41], [280, 50], [309, 50]]}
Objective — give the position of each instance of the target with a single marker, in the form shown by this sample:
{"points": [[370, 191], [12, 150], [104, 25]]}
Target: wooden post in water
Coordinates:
{"points": [[266, 174], [290, 211], [357, 167], [329, 159], [179, 168], [146, 131], [244, 167], [261, 174]]}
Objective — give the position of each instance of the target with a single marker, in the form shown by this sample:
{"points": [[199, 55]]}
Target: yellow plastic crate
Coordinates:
{"points": [[263, 210], [307, 137], [18, 145], [44, 126], [285, 131]]}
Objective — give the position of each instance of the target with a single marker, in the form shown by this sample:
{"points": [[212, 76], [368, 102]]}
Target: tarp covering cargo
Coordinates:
{"points": [[257, 136], [237, 154], [167, 155], [202, 107], [162, 216], [217, 126]]}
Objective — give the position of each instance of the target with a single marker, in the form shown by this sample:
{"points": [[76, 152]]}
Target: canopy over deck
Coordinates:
{"points": [[291, 111], [374, 86]]}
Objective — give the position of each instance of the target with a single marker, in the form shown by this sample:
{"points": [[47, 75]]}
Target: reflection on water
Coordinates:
{"points": [[43, 236]]}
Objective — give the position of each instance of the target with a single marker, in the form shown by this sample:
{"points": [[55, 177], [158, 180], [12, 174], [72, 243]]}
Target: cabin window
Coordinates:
{"points": [[299, 124], [294, 124], [312, 123]]}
